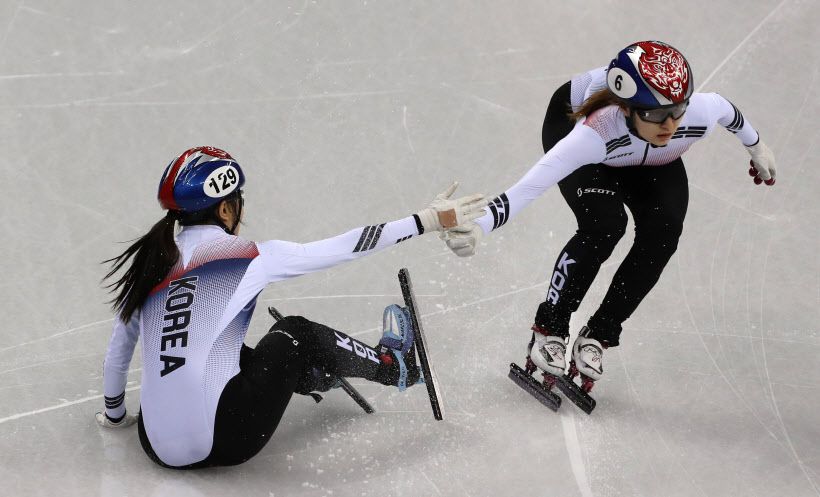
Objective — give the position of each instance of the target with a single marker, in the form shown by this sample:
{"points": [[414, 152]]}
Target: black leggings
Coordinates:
{"points": [[657, 197], [283, 362]]}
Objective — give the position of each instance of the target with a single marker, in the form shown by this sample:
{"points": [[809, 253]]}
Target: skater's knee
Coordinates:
{"points": [[661, 236], [291, 323], [604, 236], [296, 327], [608, 226]]}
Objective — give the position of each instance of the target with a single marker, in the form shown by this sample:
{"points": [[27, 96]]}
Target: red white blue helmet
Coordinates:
{"points": [[199, 178], [650, 74]]}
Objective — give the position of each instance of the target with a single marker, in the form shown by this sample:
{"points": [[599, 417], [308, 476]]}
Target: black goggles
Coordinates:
{"points": [[658, 115]]}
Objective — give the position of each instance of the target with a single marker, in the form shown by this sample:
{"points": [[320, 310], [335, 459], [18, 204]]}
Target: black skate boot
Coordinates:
{"points": [[398, 356]]}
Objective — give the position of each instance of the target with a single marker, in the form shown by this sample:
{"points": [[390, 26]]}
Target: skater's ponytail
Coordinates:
{"points": [[598, 100], [153, 255]]}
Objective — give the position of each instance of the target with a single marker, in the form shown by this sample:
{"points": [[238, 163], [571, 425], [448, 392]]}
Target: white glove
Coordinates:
{"points": [[128, 420], [763, 168], [444, 213], [463, 239]]}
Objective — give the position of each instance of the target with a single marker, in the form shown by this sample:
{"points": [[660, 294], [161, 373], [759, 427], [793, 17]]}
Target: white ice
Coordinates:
{"points": [[345, 114]]}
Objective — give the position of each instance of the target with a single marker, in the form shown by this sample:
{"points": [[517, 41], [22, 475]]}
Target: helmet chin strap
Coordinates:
{"points": [[232, 229], [236, 223]]}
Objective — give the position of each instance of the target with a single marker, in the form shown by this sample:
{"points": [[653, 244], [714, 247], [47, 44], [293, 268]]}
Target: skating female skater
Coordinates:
{"points": [[613, 137], [207, 399]]}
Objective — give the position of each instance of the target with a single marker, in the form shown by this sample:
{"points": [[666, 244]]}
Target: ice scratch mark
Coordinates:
{"points": [[61, 75], [743, 42], [724, 335], [31, 10], [406, 130], [634, 393], [769, 217], [715, 364], [763, 294], [462, 306], [10, 24], [431, 482], [343, 296], [485, 323], [95, 102], [712, 305], [574, 450], [51, 362], [59, 406], [218, 28], [72, 330]]}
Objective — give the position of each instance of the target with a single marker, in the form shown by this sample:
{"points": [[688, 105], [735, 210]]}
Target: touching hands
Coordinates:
{"points": [[462, 240], [763, 167], [444, 213]]}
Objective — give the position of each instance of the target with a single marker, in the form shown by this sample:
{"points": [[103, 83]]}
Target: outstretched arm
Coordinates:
{"points": [[285, 260], [582, 146]]}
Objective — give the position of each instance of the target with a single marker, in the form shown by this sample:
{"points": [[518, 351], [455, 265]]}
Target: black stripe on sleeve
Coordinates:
{"points": [[737, 123], [376, 234], [115, 402], [370, 237], [500, 207], [419, 226], [365, 233]]}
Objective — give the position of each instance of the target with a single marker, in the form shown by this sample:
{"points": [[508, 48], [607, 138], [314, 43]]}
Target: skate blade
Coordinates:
{"points": [[534, 388], [355, 395], [574, 393], [421, 346]]}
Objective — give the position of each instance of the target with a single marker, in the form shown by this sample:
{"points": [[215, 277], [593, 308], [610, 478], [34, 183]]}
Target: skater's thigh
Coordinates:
{"points": [[657, 196], [593, 194], [253, 402], [246, 417]]}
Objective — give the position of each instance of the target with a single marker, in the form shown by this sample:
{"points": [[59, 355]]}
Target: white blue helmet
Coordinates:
{"points": [[650, 74], [199, 178]]}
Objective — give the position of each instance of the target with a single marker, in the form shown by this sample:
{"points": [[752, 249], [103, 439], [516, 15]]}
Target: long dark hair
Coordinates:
{"points": [[154, 255], [598, 100]]}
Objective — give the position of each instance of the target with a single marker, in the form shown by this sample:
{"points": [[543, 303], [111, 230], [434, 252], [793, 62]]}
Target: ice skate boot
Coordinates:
{"points": [[546, 352], [586, 362], [587, 359], [398, 356]]}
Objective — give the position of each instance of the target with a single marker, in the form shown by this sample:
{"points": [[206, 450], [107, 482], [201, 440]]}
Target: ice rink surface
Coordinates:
{"points": [[345, 114]]}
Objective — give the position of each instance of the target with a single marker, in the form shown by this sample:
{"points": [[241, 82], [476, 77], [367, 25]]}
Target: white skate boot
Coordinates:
{"points": [[587, 359], [548, 352]]}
